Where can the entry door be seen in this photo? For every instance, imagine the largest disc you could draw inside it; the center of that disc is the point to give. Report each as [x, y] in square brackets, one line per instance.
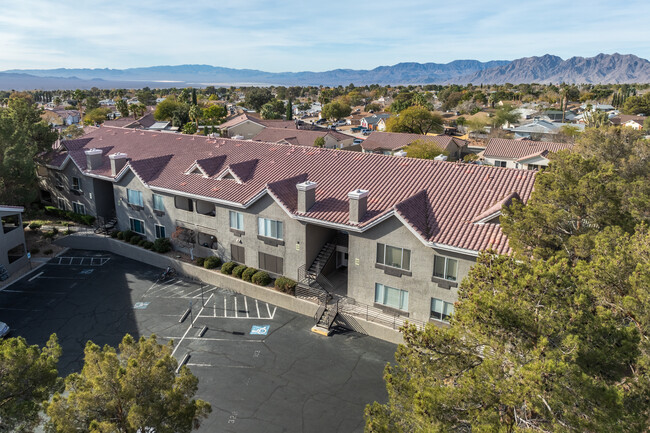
[341, 259]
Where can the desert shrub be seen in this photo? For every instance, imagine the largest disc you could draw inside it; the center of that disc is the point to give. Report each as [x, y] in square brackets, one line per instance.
[50, 234]
[261, 278]
[148, 245]
[248, 274]
[238, 270]
[48, 252]
[286, 285]
[162, 245]
[200, 261]
[127, 235]
[115, 234]
[212, 262]
[135, 240]
[142, 242]
[34, 226]
[120, 235]
[228, 267]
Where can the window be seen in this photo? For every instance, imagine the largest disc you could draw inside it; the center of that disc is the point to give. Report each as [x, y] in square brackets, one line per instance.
[444, 267]
[134, 197]
[158, 203]
[237, 220]
[533, 167]
[391, 297]
[76, 184]
[61, 203]
[270, 228]
[78, 208]
[137, 225]
[273, 264]
[237, 253]
[160, 231]
[394, 257]
[441, 310]
[500, 163]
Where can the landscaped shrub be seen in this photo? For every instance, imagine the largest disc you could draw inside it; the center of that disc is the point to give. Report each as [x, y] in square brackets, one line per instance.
[120, 235]
[228, 267]
[49, 235]
[238, 270]
[82, 219]
[162, 245]
[115, 234]
[286, 285]
[200, 261]
[248, 274]
[261, 278]
[212, 262]
[127, 235]
[135, 240]
[148, 245]
[142, 242]
[34, 226]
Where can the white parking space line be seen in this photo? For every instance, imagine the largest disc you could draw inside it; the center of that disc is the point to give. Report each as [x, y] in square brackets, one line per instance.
[189, 327]
[269, 310]
[222, 339]
[236, 316]
[225, 307]
[36, 276]
[274, 309]
[257, 306]
[246, 306]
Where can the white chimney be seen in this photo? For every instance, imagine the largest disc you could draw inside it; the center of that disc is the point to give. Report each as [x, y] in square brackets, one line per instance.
[118, 161]
[93, 158]
[306, 195]
[358, 204]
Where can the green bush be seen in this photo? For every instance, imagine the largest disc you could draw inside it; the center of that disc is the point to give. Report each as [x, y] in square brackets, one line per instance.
[142, 242]
[238, 271]
[48, 252]
[49, 235]
[127, 235]
[120, 235]
[248, 274]
[135, 240]
[162, 245]
[81, 219]
[148, 245]
[200, 261]
[35, 226]
[115, 234]
[228, 267]
[261, 278]
[286, 285]
[212, 262]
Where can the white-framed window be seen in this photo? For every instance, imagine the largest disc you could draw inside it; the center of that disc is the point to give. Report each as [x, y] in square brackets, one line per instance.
[76, 184]
[134, 197]
[158, 203]
[441, 310]
[137, 225]
[61, 203]
[445, 267]
[270, 228]
[79, 208]
[393, 256]
[391, 297]
[160, 231]
[236, 220]
[58, 181]
[533, 167]
[500, 163]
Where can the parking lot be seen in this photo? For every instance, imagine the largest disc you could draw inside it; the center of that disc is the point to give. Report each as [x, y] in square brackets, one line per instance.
[258, 365]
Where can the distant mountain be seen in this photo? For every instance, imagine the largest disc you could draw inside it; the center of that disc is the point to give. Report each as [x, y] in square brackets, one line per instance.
[202, 75]
[602, 69]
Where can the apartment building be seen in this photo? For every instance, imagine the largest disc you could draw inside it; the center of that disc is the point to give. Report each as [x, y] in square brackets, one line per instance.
[396, 233]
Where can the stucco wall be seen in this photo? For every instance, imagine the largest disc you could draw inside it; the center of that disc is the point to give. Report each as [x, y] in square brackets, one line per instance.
[10, 240]
[247, 129]
[48, 182]
[362, 273]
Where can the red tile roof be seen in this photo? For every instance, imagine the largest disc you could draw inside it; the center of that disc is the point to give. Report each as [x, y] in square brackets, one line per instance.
[397, 140]
[438, 200]
[300, 137]
[286, 124]
[515, 149]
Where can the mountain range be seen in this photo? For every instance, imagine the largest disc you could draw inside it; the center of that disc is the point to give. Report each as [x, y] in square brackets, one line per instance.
[602, 69]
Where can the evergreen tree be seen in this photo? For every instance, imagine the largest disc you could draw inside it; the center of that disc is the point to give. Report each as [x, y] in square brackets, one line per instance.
[289, 110]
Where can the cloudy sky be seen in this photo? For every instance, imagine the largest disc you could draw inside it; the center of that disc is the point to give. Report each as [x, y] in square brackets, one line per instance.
[309, 35]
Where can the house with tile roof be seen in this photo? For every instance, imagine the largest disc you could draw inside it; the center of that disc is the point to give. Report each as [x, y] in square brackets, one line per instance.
[397, 234]
[388, 143]
[520, 154]
[629, 121]
[373, 122]
[301, 137]
[13, 249]
[248, 126]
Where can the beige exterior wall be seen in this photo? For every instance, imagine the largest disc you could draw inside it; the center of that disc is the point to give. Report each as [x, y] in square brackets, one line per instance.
[247, 129]
[11, 239]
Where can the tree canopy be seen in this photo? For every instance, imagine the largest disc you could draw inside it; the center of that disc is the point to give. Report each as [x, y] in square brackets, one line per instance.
[256, 97]
[131, 390]
[416, 120]
[273, 109]
[424, 149]
[29, 376]
[336, 110]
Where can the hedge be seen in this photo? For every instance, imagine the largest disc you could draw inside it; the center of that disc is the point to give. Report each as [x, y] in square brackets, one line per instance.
[211, 262]
[261, 278]
[127, 235]
[248, 274]
[162, 245]
[228, 267]
[286, 285]
[142, 242]
[120, 235]
[148, 245]
[76, 217]
[238, 271]
[135, 240]
[115, 234]
[200, 261]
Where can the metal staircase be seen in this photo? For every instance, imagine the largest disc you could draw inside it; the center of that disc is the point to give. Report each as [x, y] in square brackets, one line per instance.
[324, 256]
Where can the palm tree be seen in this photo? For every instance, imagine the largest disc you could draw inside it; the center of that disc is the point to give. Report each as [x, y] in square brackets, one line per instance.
[138, 110]
[195, 114]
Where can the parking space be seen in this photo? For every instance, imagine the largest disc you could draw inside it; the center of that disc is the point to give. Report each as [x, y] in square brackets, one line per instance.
[258, 365]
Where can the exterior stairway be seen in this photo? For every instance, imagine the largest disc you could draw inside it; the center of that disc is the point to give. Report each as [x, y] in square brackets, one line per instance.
[325, 316]
[321, 260]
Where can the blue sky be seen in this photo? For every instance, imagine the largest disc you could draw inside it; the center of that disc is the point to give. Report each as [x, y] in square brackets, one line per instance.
[301, 35]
